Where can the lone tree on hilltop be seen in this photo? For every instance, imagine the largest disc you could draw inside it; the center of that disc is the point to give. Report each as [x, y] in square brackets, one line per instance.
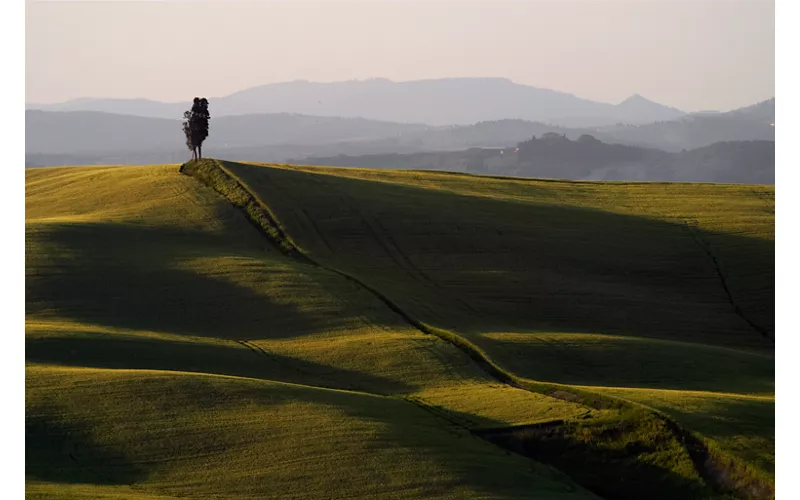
[195, 126]
[187, 131]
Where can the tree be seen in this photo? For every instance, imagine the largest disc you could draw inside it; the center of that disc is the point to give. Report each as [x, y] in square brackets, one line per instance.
[187, 130]
[195, 126]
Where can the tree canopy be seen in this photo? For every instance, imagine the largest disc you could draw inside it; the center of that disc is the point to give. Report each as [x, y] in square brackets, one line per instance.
[195, 126]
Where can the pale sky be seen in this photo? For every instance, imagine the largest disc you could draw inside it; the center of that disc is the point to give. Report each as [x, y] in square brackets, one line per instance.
[691, 54]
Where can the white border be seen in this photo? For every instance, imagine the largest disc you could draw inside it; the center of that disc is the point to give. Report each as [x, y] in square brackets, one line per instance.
[787, 368]
[12, 279]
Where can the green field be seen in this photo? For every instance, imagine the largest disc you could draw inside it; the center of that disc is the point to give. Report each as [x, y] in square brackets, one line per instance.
[349, 336]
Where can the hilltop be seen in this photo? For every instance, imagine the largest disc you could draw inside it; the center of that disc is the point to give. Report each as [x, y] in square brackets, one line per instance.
[246, 330]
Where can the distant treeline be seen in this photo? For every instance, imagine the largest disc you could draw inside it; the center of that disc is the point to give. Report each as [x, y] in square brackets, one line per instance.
[556, 156]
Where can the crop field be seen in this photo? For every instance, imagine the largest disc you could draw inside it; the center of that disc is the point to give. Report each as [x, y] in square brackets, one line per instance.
[609, 285]
[354, 333]
[186, 434]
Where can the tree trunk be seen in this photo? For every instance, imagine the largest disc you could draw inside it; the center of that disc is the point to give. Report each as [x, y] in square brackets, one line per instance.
[200, 148]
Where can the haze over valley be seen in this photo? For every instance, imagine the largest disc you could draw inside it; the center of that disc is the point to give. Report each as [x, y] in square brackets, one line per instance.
[269, 124]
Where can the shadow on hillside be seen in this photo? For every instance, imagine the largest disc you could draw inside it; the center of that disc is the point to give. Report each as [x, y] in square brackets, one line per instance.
[624, 460]
[126, 352]
[130, 276]
[64, 452]
[476, 264]
[736, 422]
[371, 426]
[637, 363]
[386, 436]
[734, 415]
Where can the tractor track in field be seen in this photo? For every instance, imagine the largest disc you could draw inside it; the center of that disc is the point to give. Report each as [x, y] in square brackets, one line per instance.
[382, 243]
[317, 231]
[411, 266]
[310, 378]
[392, 249]
[257, 213]
[439, 413]
[288, 247]
[403, 255]
[257, 349]
[689, 226]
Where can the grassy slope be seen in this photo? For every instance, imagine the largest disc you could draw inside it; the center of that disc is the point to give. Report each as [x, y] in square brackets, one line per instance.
[141, 282]
[542, 274]
[181, 434]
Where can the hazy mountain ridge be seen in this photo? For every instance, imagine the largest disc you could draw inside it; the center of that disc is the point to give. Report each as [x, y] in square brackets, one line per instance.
[556, 156]
[754, 122]
[69, 138]
[90, 132]
[448, 101]
[81, 132]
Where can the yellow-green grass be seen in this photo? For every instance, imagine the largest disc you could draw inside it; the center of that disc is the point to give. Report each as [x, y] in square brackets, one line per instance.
[736, 424]
[411, 364]
[626, 361]
[206, 436]
[723, 394]
[635, 450]
[41, 490]
[671, 276]
[107, 291]
[567, 256]
[479, 406]
[142, 268]
[150, 288]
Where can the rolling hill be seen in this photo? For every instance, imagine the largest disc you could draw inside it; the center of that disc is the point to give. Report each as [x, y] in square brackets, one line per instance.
[190, 324]
[256, 331]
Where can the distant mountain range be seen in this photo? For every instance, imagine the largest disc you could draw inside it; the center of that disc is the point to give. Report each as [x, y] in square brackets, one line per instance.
[392, 122]
[756, 122]
[93, 132]
[449, 101]
[104, 137]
